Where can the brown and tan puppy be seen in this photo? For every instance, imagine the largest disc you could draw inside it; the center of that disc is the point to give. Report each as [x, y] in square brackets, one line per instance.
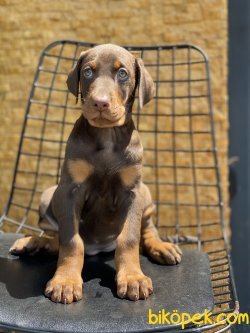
[101, 203]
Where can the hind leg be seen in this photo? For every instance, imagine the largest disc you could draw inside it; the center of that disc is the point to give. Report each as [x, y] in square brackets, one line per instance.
[34, 244]
[160, 251]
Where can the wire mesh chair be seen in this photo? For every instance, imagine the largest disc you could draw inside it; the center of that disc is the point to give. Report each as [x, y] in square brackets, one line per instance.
[180, 156]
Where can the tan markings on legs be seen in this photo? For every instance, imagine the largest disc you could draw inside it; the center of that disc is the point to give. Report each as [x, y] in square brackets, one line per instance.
[131, 282]
[79, 170]
[162, 252]
[66, 285]
[33, 244]
[129, 174]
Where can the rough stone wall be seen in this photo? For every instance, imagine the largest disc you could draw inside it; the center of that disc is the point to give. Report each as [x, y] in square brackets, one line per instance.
[28, 26]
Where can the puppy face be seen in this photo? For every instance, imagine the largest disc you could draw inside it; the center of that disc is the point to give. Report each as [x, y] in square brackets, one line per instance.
[108, 76]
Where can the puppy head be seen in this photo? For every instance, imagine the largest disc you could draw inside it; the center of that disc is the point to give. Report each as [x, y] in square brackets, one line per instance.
[108, 76]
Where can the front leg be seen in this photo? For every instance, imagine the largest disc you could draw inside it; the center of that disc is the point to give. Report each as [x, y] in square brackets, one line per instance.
[66, 284]
[131, 282]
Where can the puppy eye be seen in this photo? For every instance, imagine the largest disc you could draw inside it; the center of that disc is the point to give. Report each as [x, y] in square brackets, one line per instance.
[122, 74]
[88, 72]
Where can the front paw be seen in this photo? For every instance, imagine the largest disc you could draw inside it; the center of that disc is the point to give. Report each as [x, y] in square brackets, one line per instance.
[134, 286]
[164, 252]
[61, 289]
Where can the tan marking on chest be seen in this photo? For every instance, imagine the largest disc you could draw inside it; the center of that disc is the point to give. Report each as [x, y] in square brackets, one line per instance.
[129, 174]
[79, 170]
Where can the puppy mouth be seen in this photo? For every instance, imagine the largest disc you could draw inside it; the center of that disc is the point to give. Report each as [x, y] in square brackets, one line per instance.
[107, 118]
[103, 120]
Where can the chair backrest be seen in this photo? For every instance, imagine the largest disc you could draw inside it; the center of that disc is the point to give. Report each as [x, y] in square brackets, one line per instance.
[176, 128]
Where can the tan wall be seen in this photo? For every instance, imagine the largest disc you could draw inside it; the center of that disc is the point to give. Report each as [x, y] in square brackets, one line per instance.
[28, 26]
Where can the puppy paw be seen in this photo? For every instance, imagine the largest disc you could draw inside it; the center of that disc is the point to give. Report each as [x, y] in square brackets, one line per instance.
[32, 245]
[133, 286]
[61, 289]
[164, 252]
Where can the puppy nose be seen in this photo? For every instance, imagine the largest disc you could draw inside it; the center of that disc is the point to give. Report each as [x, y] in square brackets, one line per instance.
[101, 103]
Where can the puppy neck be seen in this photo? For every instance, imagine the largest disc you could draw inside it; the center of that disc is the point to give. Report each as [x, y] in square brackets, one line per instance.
[116, 133]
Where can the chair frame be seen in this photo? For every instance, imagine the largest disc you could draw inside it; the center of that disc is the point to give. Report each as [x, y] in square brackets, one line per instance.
[220, 262]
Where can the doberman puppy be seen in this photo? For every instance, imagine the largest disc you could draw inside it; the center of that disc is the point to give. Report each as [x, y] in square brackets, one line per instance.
[101, 203]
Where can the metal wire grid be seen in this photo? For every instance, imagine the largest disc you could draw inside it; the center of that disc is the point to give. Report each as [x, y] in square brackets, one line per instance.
[180, 157]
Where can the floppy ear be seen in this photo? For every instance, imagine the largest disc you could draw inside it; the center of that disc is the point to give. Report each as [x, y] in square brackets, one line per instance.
[74, 77]
[145, 84]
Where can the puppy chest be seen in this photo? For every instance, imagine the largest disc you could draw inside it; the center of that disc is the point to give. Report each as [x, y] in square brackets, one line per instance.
[108, 170]
[105, 209]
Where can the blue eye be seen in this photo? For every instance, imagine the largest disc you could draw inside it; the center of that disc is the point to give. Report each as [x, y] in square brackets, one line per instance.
[88, 72]
[122, 74]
